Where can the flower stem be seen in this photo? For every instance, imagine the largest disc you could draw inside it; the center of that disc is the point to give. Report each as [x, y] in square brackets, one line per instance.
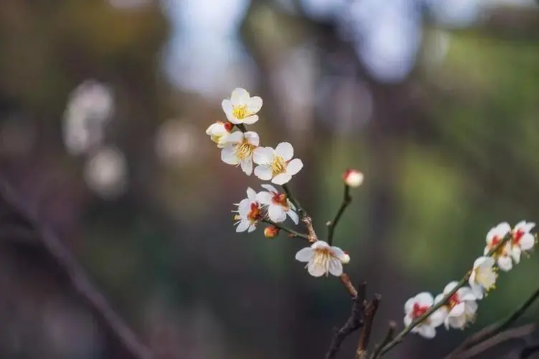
[288, 230]
[241, 128]
[438, 305]
[347, 199]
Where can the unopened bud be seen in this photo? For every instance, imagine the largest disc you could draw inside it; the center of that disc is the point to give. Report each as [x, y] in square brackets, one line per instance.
[271, 231]
[352, 178]
[345, 259]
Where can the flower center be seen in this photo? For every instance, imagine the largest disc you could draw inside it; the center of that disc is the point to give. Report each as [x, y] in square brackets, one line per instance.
[278, 165]
[322, 257]
[453, 301]
[517, 236]
[280, 199]
[418, 310]
[244, 150]
[240, 112]
[255, 213]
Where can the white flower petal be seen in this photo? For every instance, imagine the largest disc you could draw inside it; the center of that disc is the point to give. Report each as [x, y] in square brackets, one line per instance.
[239, 97]
[409, 305]
[263, 155]
[252, 137]
[448, 288]
[438, 298]
[252, 227]
[527, 242]
[276, 214]
[426, 331]
[263, 197]
[335, 267]
[254, 104]
[424, 299]
[247, 166]
[285, 150]
[316, 270]
[502, 229]
[243, 226]
[249, 120]
[484, 262]
[293, 216]
[305, 254]
[338, 253]
[471, 307]
[319, 245]
[457, 310]
[515, 254]
[251, 194]
[477, 289]
[505, 263]
[269, 188]
[466, 294]
[227, 106]
[228, 156]
[407, 320]
[281, 179]
[263, 172]
[294, 167]
[438, 317]
[235, 137]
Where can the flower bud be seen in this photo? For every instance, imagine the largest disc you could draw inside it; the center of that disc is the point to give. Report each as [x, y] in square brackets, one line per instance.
[271, 231]
[352, 178]
[345, 259]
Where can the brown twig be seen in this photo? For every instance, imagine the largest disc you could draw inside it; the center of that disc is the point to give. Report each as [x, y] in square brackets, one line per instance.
[370, 313]
[499, 338]
[354, 322]
[347, 199]
[494, 329]
[77, 276]
[310, 230]
[292, 232]
[529, 350]
[389, 336]
[345, 280]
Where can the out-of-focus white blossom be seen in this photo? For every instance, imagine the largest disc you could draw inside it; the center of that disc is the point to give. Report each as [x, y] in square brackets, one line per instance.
[106, 172]
[249, 213]
[483, 277]
[239, 148]
[417, 306]
[503, 254]
[89, 107]
[521, 239]
[278, 204]
[241, 108]
[322, 259]
[276, 164]
[460, 308]
[352, 178]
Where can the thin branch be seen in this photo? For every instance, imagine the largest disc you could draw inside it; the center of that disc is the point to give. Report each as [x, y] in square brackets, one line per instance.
[305, 217]
[310, 229]
[499, 338]
[291, 232]
[293, 199]
[354, 322]
[389, 336]
[496, 328]
[78, 278]
[347, 199]
[370, 313]
[399, 338]
[529, 350]
[345, 280]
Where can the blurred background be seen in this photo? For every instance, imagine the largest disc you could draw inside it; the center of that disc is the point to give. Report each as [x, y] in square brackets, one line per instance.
[103, 108]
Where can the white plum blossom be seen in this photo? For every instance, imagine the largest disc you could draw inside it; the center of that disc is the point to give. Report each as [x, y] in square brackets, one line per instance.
[522, 240]
[219, 131]
[417, 306]
[322, 259]
[278, 204]
[241, 108]
[353, 178]
[239, 148]
[249, 212]
[483, 276]
[460, 307]
[276, 164]
[503, 254]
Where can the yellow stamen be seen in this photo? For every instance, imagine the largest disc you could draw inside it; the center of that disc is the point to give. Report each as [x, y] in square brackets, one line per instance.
[278, 165]
[240, 112]
[244, 150]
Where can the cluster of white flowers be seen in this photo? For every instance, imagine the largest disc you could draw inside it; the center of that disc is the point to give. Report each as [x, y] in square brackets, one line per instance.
[278, 165]
[504, 248]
